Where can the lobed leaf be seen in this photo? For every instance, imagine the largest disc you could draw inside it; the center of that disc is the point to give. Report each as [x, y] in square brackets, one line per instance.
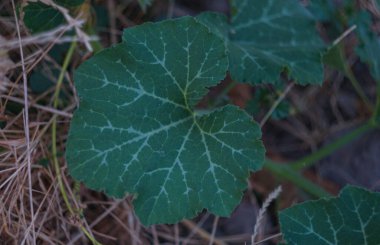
[137, 130]
[267, 37]
[350, 219]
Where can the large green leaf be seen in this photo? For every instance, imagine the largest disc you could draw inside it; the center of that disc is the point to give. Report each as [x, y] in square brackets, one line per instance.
[352, 218]
[136, 130]
[266, 37]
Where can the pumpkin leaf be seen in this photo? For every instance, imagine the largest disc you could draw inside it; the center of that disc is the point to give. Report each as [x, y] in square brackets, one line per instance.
[137, 129]
[265, 38]
[350, 219]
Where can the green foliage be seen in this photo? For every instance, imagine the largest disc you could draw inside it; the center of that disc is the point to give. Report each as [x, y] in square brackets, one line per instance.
[2, 124]
[102, 18]
[69, 3]
[334, 58]
[282, 111]
[263, 100]
[350, 219]
[39, 17]
[336, 14]
[369, 45]
[44, 75]
[265, 38]
[42, 78]
[369, 52]
[144, 4]
[137, 129]
[369, 48]
[322, 10]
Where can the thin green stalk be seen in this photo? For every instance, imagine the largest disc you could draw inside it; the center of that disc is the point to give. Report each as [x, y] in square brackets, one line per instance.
[376, 115]
[65, 65]
[286, 172]
[350, 75]
[54, 126]
[355, 83]
[330, 148]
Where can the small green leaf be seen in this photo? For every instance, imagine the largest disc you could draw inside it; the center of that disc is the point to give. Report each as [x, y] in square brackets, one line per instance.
[336, 13]
[144, 4]
[369, 47]
[334, 58]
[369, 52]
[40, 17]
[42, 78]
[136, 130]
[102, 18]
[322, 10]
[265, 38]
[352, 218]
[3, 124]
[69, 3]
[282, 111]
[263, 100]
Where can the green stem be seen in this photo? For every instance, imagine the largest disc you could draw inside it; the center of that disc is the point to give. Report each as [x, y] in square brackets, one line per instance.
[330, 148]
[376, 115]
[355, 83]
[65, 65]
[286, 172]
[54, 126]
[357, 87]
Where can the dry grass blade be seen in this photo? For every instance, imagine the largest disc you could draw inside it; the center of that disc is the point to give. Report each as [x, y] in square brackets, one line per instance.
[272, 196]
[26, 126]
